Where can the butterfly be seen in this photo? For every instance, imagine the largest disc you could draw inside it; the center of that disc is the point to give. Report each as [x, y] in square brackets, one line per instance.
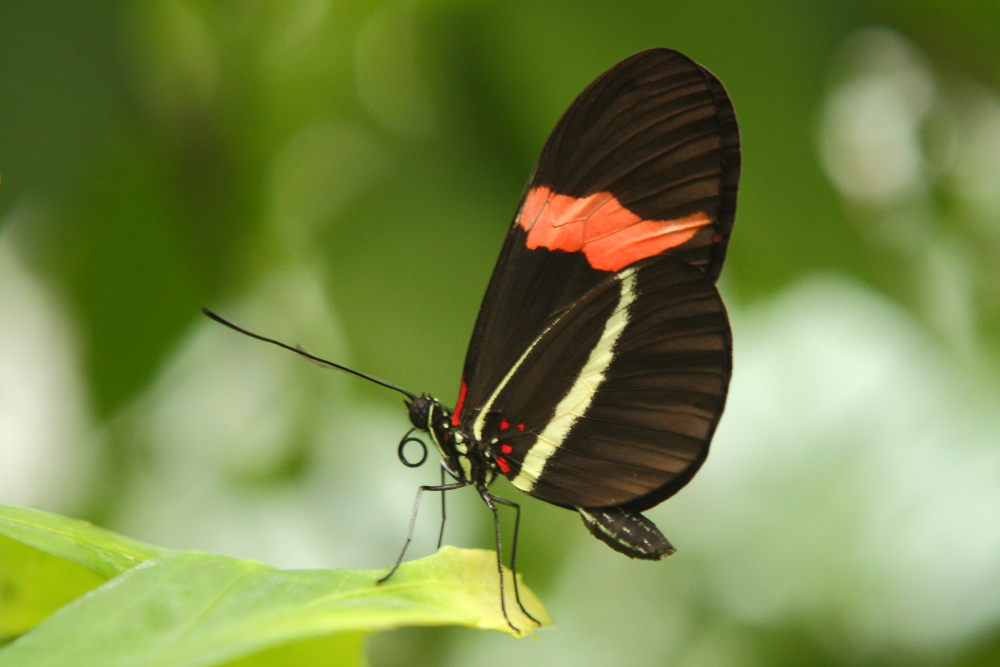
[601, 357]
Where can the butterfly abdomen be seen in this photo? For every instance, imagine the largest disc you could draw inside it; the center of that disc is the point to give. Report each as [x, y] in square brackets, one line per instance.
[629, 533]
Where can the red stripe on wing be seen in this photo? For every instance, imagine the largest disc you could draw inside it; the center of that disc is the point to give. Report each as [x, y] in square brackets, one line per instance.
[610, 236]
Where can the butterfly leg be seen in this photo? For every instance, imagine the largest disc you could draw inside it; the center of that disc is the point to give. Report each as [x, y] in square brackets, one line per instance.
[413, 522]
[444, 513]
[513, 550]
[496, 525]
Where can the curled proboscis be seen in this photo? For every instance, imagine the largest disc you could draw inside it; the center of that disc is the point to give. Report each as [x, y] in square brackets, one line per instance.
[402, 447]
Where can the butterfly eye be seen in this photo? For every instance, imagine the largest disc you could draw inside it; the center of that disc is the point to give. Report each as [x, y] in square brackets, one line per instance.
[420, 412]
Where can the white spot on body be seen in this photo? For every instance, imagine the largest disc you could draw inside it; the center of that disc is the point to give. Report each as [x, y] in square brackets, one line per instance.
[430, 422]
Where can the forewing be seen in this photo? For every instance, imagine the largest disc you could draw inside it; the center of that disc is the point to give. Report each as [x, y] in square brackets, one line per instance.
[616, 402]
[644, 162]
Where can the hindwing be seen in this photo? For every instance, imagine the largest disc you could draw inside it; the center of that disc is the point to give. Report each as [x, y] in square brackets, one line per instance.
[615, 403]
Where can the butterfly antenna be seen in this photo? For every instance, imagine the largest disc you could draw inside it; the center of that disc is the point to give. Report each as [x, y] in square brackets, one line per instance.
[308, 356]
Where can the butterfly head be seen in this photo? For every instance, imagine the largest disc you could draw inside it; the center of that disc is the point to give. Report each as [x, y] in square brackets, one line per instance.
[420, 411]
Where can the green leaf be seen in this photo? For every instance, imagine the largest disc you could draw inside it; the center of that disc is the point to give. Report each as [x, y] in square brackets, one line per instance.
[190, 608]
[344, 649]
[34, 584]
[46, 561]
[106, 553]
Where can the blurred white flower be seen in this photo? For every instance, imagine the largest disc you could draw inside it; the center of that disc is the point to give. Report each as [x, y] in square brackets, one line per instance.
[893, 135]
[869, 132]
[45, 455]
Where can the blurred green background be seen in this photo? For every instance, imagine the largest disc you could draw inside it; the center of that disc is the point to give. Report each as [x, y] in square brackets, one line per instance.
[342, 174]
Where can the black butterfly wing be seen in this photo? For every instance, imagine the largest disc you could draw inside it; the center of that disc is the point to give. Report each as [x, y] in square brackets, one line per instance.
[645, 161]
[616, 402]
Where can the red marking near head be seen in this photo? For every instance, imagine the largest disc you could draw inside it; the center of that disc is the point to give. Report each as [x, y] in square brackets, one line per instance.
[717, 238]
[506, 449]
[520, 427]
[504, 425]
[610, 235]
[461, 403]
[504, 466]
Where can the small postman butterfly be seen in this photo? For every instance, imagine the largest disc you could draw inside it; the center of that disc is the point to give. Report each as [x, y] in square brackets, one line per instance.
[600, 361]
